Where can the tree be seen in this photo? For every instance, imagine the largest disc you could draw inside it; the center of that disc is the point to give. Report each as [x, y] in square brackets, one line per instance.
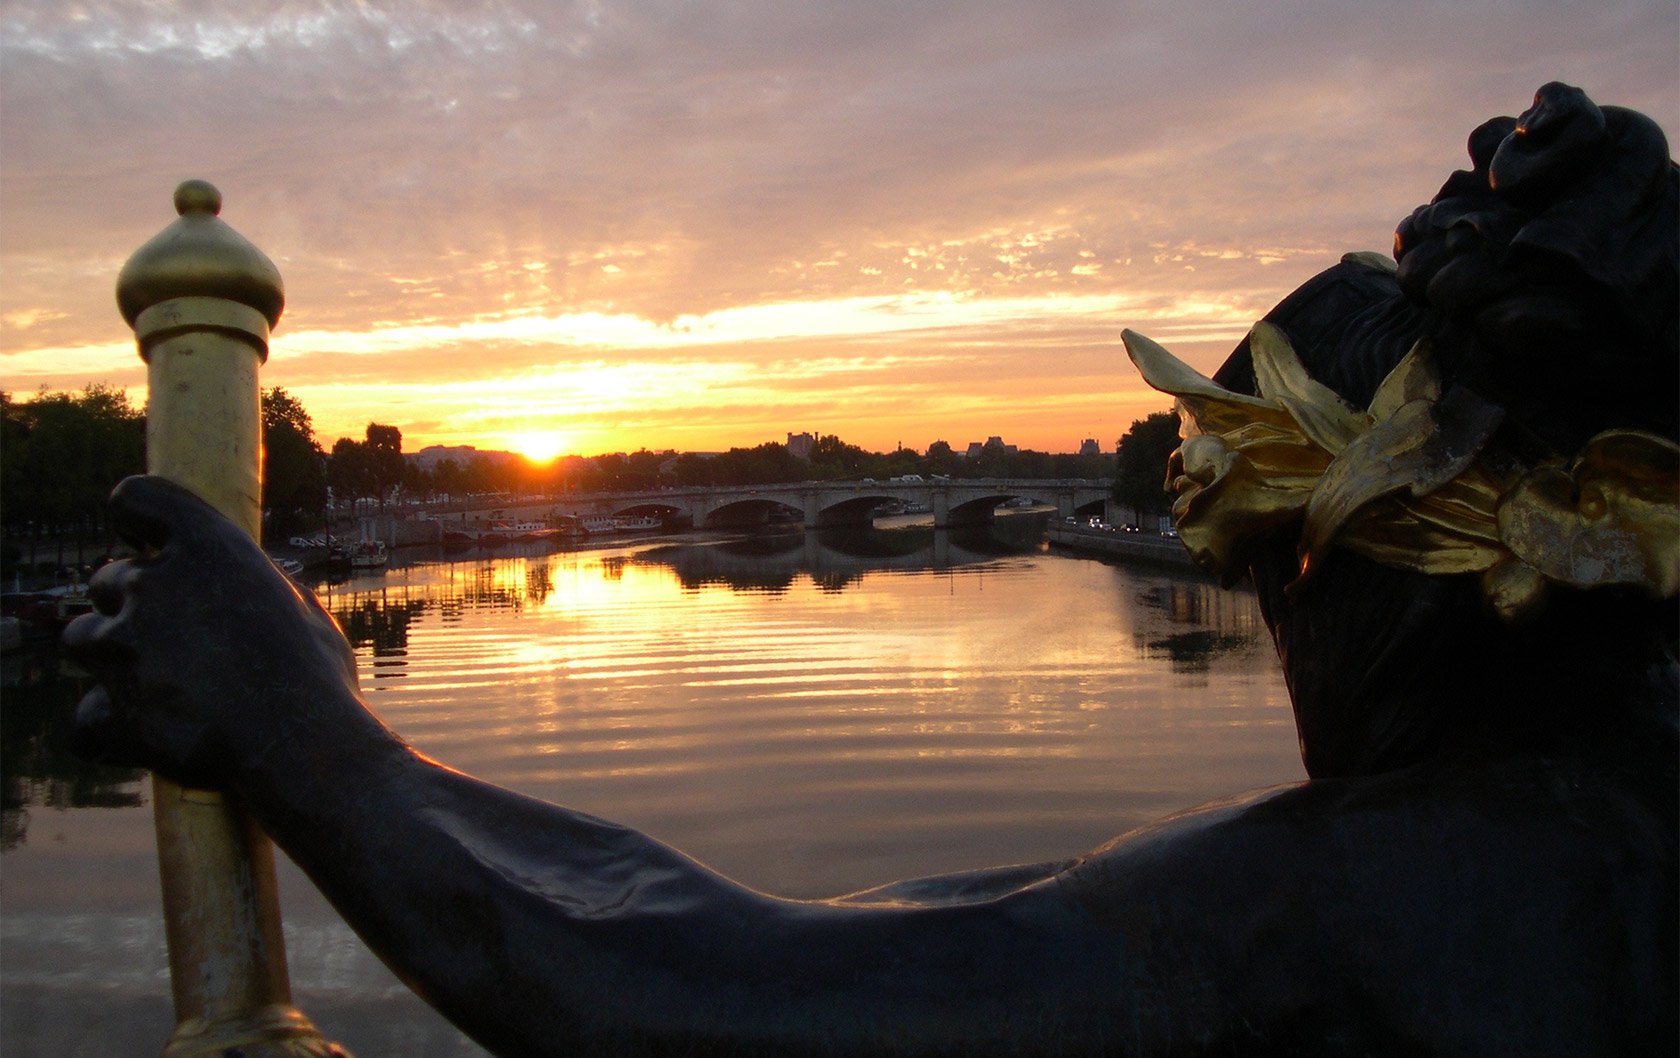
[641, 468]
[385, 460]
[486, 473]
[941, 459]
[350, 471]
[62, 455]
[833, 459]
[1140, 477]
[449, 478]
[693, 469]
[768, 463]
[417, 481]
[294, 467]
[994, 460]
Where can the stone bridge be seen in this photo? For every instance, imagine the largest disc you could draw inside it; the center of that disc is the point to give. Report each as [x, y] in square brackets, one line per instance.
[955, 502]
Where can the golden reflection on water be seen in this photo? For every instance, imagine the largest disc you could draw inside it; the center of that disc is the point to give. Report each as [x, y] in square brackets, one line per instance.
[813, 720]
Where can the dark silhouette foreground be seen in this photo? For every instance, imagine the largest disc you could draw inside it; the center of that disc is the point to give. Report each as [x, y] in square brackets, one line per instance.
[1483, 862]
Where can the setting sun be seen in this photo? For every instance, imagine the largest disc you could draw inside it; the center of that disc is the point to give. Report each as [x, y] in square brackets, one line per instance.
[539, 446]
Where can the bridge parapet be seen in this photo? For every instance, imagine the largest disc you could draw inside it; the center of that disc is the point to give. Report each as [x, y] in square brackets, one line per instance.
[954, 501]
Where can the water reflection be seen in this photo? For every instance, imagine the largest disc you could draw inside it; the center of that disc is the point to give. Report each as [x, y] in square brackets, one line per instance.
[37, 769]
[834, 559]
[769, 562]
[380, 624]
[1182, 620]
[1190, 621]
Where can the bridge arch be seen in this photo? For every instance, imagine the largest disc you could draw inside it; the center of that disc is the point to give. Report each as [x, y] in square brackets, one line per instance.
[848, 510]
[738, 511]
[665, 512]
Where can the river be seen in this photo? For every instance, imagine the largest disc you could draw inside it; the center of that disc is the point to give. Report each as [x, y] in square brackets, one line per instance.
[809, 713]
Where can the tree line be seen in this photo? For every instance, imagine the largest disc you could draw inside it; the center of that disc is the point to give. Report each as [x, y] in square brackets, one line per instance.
[830, 459]
[61, 453]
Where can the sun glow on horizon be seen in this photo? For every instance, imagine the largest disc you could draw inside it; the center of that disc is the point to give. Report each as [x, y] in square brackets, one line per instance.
[876, 371]
[538, 446]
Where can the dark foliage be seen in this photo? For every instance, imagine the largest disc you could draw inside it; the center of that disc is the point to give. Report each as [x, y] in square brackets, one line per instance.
[1140, 478]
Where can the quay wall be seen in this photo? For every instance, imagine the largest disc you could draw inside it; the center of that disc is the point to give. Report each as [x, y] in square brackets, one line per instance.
[403, 532]
[1142, 547]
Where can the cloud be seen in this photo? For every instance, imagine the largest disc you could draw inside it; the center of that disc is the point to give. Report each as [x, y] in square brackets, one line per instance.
[430, 165]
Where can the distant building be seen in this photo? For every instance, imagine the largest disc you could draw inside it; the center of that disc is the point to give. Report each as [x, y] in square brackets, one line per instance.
[799, 445]
[991, 444]
[1089, 447]
[429, 457]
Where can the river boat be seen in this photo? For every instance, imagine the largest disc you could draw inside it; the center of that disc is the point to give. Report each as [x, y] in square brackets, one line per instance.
[31, 624]
[458, 538]
[492, 533]
[612, 525]
[47, 611]
[369, 554]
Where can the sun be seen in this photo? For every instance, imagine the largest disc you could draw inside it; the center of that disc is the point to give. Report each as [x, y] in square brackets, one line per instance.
[538, 446]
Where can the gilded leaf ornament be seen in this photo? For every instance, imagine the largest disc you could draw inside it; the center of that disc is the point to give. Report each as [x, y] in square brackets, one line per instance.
[1408, 482]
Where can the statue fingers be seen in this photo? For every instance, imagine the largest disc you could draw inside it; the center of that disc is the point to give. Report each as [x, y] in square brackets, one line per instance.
[109, 729]
[99, 643]
[96, 733]
[149, 513]
[111, 587]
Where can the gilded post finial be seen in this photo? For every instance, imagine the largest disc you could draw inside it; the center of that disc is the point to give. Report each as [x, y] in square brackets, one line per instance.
[200, 256]
[198, 196]
[201, 300]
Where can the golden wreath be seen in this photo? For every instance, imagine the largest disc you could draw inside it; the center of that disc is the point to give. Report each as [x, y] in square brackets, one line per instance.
[1389, 484]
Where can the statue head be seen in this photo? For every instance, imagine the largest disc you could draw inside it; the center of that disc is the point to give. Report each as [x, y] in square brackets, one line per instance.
[1551, 268]
[1455, 482]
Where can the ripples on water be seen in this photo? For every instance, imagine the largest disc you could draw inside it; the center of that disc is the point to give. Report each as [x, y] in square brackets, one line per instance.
[811, 714]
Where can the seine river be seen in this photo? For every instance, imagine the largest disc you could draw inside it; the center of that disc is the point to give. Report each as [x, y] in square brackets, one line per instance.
[809, 713]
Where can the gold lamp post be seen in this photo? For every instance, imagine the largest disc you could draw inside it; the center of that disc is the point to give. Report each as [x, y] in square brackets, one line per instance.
[201, 300]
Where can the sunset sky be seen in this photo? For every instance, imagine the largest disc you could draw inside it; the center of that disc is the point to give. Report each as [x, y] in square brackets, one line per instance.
[696, 224]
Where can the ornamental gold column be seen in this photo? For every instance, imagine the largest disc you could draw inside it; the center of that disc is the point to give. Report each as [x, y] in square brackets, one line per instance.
[201, 300]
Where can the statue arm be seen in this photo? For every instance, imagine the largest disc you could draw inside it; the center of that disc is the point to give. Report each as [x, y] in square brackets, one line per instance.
[537, 928]
[1367, 911]
[532, 926]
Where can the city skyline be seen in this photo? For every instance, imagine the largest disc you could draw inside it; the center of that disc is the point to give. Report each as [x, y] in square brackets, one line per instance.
[793, 444]
[592, 227]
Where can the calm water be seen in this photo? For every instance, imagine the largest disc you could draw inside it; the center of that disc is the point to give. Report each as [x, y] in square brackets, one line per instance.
[810, 714]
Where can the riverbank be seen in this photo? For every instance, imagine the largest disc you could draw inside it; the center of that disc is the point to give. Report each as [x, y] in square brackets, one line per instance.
[1152, 548]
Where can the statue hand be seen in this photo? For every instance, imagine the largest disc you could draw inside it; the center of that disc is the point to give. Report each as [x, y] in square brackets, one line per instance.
[205, 653]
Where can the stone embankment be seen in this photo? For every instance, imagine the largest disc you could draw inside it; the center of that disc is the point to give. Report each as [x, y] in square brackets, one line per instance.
[1118, 543]
[393, 531]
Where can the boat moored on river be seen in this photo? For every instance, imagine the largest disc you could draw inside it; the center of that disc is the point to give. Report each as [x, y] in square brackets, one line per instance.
[369, 555]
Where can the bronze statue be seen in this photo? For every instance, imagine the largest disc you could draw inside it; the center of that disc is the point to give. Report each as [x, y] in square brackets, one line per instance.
[1455, 489]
